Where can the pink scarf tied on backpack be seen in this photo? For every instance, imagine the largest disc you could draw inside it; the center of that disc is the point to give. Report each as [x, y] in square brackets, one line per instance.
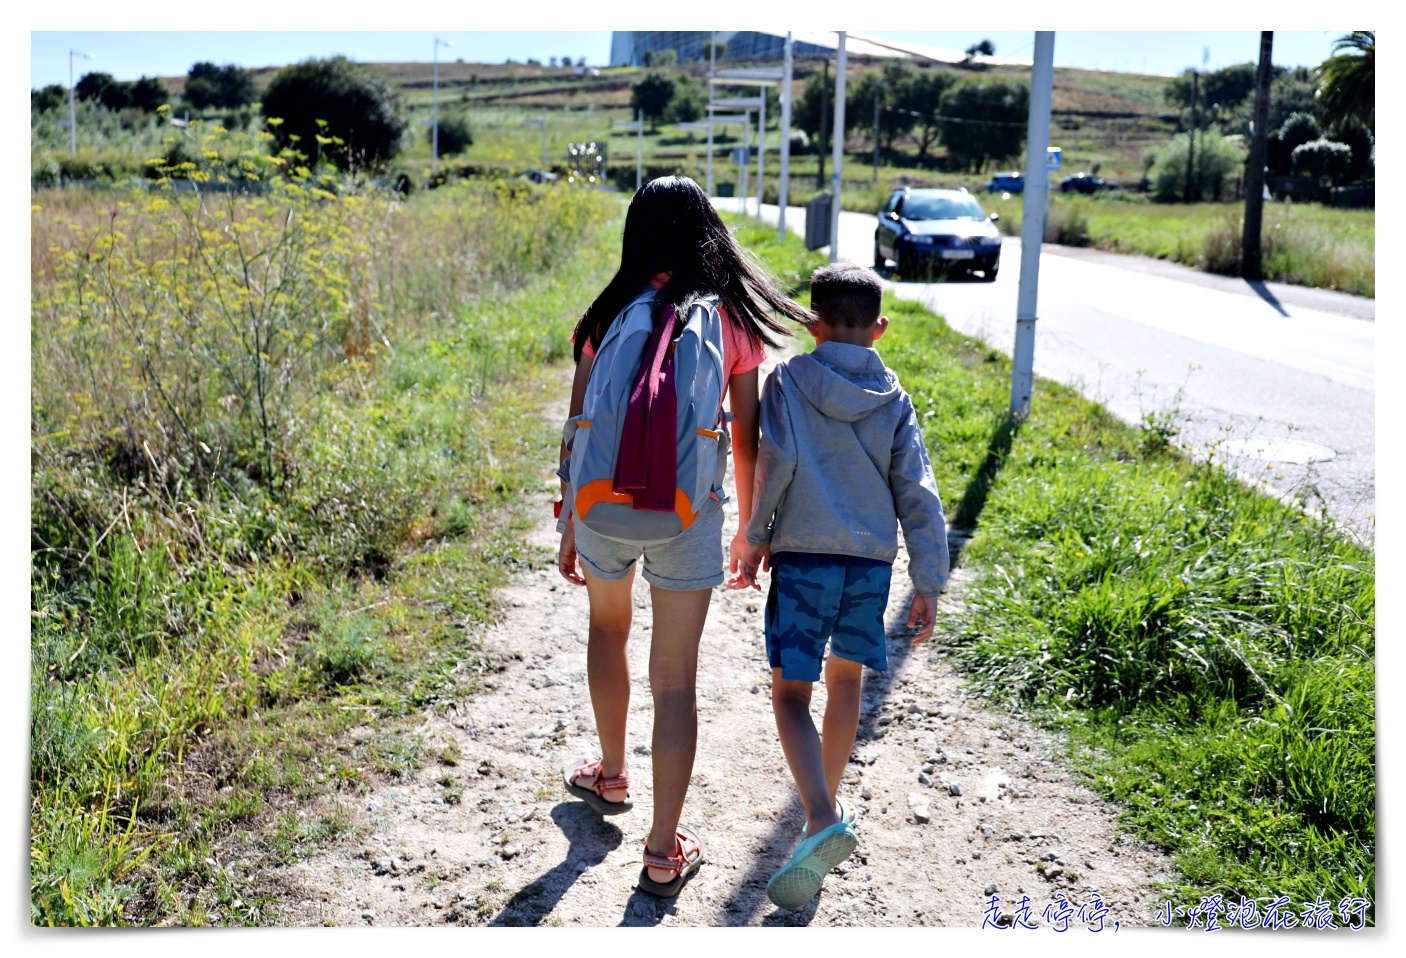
[647, 466]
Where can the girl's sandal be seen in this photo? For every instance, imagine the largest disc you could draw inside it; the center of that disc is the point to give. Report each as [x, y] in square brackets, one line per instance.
[584, 781]
[687, 857]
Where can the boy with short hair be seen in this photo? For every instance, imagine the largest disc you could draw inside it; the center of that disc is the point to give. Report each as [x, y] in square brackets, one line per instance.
[841, 464]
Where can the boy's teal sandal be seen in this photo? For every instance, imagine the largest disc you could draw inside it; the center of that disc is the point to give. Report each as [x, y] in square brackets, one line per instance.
[800, 879]
[847, 812]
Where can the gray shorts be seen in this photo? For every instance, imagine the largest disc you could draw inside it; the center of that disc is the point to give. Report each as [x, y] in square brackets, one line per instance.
[692, 561]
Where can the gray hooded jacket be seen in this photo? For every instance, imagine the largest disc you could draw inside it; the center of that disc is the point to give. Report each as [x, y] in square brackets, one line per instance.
[842, 463]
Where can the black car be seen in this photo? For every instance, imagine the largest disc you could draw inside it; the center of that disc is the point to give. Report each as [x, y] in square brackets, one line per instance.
[936, 231]
[1083, 183]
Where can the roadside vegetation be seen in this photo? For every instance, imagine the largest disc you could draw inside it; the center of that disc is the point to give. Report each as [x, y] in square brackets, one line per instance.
[1206, 650]
[278, 446]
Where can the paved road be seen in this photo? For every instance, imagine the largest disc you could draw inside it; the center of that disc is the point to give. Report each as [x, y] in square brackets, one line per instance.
[1277, 374]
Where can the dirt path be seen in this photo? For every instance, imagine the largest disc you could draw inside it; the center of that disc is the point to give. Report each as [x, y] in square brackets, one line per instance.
[957, 803]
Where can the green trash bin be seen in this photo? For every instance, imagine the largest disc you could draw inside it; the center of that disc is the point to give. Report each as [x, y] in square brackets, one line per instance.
[727, 189]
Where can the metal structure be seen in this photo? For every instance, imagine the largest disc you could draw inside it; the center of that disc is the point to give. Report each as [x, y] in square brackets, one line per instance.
[1032, 229]
[72, 107]
[700, 127]
[746, 121]
[839, 150]
[783, 186]
[638, 126]
[434, 122]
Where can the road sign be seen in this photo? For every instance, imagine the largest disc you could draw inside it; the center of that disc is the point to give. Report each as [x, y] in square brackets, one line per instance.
[739, 155]
[1052, 157]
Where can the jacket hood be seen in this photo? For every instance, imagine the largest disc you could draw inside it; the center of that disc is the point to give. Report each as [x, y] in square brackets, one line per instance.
[842, 381]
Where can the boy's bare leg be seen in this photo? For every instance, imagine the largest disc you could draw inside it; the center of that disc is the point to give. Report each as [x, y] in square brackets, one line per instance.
[608, 670]
[673, 677]
[790, 702]
[843, 680]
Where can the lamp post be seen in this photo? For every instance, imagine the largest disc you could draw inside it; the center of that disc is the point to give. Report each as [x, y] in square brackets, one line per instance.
[543, 124]
[434, 123]
[783, 185]
[839, 147]
[72, 107]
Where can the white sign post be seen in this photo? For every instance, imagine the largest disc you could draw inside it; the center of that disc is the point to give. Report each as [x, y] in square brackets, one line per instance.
[1032, 229]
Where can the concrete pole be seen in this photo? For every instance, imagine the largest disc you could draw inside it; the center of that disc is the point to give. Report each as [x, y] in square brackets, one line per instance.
[639, 153]
[434, 121]
[761, 148]
[837, 158]
[1032, 230]
[783, 187]
[742, 167]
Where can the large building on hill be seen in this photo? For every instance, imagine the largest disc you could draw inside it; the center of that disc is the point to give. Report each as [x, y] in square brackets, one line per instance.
[628, 47]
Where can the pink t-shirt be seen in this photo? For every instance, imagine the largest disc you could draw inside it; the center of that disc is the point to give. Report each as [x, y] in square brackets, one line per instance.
[740, 353]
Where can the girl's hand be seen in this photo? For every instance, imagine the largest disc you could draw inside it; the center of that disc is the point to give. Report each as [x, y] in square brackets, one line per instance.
[566, 556]
[753, 560]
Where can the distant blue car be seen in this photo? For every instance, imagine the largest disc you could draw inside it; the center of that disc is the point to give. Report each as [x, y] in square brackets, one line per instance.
[1006, 183]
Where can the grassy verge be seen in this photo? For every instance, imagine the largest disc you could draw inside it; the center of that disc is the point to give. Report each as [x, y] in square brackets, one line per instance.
[1306, 244]
[1207, 651]
[233, 612]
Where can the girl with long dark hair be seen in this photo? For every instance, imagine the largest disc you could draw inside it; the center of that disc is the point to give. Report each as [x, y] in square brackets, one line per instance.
[675, 241]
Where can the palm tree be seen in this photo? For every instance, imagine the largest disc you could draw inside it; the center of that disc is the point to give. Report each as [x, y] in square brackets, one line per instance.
[1347, 82]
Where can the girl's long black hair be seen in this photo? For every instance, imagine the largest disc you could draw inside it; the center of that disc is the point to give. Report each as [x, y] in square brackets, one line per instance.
[671, 227]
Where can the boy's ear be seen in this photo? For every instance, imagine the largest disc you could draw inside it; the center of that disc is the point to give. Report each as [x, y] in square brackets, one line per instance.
[880, 327]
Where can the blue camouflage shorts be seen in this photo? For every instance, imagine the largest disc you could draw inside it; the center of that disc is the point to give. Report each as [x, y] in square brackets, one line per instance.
[816, 597]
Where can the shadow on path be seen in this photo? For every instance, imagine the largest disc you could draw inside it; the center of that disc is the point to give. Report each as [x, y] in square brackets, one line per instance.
[591, 838]
[1265, 294]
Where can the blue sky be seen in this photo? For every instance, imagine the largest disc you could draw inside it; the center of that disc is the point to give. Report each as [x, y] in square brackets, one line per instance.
[129, 54]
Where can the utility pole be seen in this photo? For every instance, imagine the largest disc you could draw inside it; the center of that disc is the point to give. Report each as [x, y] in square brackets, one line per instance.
[839, 156]
[434, 122]
[72, 106]
[1250, 256]
[876, 135]
[783, 187]
[824, 115]
[1191, 140]
[1032, 229]
[761, 147]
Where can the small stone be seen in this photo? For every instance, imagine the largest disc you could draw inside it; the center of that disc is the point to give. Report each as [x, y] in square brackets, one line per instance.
[929, 768]
[529, 815]
[976, 855]
[914, 709]
[369, 915]
[924, 780]
[1089, 865]
[922, 812]
[961, 861]
[464, 894]
[885, 720]
[385, 866]
[1049, 856]
[987, 831]
[642, 749]
[756, 690]
[866, 794]
[373, 806]
[991, 888]
[509, 852]
[955, 788]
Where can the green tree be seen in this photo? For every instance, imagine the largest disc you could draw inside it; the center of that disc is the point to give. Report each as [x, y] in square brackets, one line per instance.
[718, 47]
[661, 58]
[360, 112]
[688, 103]
[48, 98]
[984, 120]
[102, 88]
[1217, 157]
[148, 93]
[652, 93]
[219, 87]
[983, 49]
[1297, 130]
[1347, 82]
[921, 98]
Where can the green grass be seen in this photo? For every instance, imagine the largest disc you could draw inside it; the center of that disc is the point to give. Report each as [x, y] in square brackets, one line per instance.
[190, 697]
[1206, 650]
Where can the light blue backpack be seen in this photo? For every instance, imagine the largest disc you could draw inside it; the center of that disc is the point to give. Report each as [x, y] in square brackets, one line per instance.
[593, 437]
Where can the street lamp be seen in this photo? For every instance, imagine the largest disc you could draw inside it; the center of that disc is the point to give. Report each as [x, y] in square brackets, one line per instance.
[434, 135]
[543, 124]
[73, 109]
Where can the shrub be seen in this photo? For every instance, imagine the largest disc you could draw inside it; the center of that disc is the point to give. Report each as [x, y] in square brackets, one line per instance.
[1069, 223]
[1322, 159]
[50, 97]
[336, 110]
[454, 135]
[148, 93]
[652, 94]
[661, 58]
[688, 103]
[1298, 129]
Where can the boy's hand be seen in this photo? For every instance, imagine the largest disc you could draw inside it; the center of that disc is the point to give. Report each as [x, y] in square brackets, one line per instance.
[923, 612]
[752, 560]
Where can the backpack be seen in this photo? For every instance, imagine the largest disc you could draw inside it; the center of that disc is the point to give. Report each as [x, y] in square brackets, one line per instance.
[593, 438]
